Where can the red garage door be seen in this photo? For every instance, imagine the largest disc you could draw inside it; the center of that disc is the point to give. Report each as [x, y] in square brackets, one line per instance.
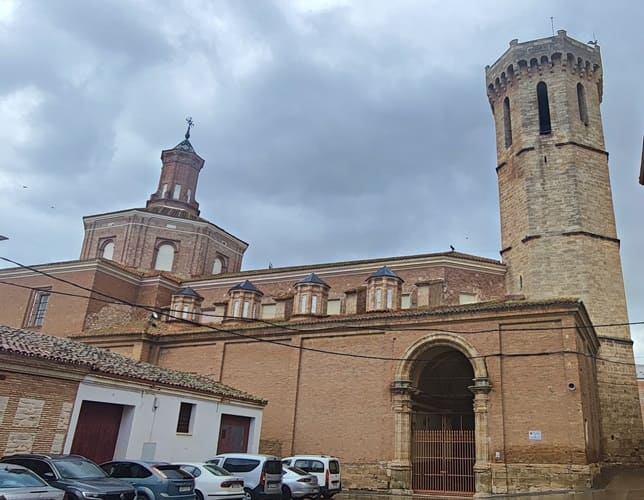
[97, 430]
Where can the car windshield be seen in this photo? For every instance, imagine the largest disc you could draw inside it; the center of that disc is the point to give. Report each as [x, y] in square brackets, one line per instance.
[17, 477]
[77, 468]
[216, 470]
[298, 471]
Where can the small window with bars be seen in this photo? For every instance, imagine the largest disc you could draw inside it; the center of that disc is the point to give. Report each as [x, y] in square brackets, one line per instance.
[184, 422]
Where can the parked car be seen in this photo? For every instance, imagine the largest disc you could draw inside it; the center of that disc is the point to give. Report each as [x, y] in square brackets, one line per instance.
[78, 476]
[153, 480]
[213, 482]
[324, 467]
[298, 484]
[19, 483]
[262, 474]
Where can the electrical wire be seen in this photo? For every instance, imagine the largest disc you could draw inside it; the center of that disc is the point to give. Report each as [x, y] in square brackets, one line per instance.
[116, 300]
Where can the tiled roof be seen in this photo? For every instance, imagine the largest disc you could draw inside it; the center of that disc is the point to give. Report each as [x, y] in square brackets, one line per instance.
[173, 212]
[185, 146]
[188, 292]
[246, 285]
[71, 352]
[384, 271]
[312, 278]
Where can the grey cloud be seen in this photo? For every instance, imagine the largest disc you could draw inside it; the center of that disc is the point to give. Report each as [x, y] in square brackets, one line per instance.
[351, 139]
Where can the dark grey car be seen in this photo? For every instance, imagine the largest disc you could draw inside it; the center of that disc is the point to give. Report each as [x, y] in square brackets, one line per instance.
[79, 477]
[19, 483]
[153, 480]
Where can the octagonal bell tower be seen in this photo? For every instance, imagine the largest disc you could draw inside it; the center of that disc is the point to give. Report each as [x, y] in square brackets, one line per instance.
[557, 221]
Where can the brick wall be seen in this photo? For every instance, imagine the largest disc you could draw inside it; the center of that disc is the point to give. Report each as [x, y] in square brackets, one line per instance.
[456, 279]
[138, 233]
[322, 403]
[34, 409]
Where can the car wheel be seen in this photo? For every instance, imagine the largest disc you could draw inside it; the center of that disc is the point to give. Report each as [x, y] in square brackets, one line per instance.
[248, 494]
[198, 495]
[286, 492]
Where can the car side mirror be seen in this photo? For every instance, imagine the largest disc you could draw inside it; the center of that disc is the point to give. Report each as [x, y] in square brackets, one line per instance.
[48, 475]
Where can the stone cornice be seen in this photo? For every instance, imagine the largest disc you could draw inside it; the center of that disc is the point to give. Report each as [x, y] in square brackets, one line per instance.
[73, 266]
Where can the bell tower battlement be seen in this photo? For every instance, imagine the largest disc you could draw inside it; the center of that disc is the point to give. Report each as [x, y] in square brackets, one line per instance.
[579, 93]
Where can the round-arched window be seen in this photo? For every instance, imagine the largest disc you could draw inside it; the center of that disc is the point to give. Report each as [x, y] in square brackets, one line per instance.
[108, 250]
[217, 266]
[165, 257]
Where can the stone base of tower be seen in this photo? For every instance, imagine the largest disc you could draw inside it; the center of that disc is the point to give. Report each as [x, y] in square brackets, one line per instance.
[532, 478]
[622, 432]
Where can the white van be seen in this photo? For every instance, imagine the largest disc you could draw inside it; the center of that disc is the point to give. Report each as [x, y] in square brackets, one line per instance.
[324, 467]
[262, 474]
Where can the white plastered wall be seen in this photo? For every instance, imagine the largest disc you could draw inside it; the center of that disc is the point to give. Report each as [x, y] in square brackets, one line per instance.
[149, 421]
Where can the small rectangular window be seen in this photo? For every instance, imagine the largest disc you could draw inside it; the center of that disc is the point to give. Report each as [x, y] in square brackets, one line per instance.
[303, 303]
[245, 309]
[314, 304]
[186, 312]
[236, 308]
[378, 301]
[41, 300]
[467, 298]
[390, 298]
[184, 422]
[405, 302]
[333, 306]
[268, 311]
[177, 191]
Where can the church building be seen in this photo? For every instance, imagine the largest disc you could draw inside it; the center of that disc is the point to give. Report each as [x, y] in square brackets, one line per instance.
[437, 372]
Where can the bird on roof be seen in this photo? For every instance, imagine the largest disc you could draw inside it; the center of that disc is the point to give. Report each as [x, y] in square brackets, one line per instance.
[451, 247]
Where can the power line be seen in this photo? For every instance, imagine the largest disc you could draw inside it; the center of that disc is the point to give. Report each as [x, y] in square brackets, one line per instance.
[116, 300]
[343, 327]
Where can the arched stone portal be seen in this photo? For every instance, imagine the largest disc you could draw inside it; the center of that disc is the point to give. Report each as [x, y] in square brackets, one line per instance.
[436, 375]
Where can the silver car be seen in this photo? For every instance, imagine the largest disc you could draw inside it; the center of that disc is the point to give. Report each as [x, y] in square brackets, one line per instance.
[19, 483]
[297, 483]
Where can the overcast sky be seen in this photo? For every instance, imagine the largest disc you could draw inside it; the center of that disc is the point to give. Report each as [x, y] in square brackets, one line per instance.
[332, 130]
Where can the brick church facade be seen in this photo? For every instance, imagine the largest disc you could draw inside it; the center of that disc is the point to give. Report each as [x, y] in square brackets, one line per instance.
[439, 372]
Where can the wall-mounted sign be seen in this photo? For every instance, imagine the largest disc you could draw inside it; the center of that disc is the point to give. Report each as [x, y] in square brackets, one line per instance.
[534, 435]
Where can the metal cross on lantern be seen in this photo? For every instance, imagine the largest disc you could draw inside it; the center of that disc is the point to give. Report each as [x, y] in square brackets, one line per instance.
[190, 125]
